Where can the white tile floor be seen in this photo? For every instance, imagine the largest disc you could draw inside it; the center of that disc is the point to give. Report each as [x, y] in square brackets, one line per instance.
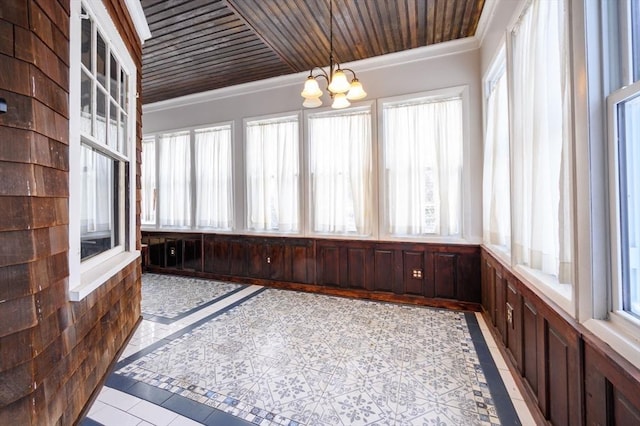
[117, 408]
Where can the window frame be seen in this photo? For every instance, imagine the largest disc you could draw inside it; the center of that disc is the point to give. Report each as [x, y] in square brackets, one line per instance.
[191, 130]
[465, 191]
[86, 276]
[302, 226]
[616, 305]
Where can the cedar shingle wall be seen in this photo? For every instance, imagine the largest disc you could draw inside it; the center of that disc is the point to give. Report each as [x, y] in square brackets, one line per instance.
[53, 352]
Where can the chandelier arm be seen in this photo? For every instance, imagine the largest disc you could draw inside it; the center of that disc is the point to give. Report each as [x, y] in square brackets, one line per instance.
[351, 71]
[323, 73]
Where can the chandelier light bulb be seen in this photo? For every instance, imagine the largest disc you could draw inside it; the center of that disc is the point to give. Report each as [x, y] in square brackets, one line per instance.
[311, 89]
[312, 102]
[356, 91]
[340, 101]
[339, 82]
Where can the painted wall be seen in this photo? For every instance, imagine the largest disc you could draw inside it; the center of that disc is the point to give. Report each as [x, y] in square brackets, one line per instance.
[450, 64]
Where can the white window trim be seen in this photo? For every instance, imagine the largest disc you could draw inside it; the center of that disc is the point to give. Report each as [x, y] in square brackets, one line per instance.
[465, 219]
[307, 218]
[85, 277]
[613, 101]
[301, 179]
[193, 228]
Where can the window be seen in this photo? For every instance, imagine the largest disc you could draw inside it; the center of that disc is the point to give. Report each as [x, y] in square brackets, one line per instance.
[423, 141]
[194, 179]
[272, 174]
[496, 188]
[101, 150]
[541, 145]
[341, 172]
[624, 166]
[213, 168]
[148, 171]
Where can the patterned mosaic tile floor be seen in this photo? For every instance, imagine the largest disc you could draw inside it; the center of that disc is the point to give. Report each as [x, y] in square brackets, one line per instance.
[166, 298]
[285, 358]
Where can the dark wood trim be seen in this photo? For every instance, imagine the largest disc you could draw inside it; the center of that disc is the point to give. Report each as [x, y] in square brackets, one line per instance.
[94, 395]
[566, 373]
[440, 275]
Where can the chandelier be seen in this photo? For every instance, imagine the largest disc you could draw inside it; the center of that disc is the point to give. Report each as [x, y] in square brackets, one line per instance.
[339, 88]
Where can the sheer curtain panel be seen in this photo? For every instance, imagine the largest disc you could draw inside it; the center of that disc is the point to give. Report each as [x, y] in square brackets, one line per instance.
[175, 180]
[341, 168]
[213, 172]
[541, 141]
[423, 166]
[148, 171]
[272, 171]
[496, 189]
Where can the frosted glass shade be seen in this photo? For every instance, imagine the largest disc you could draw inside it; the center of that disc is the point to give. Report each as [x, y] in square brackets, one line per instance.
[340, 101]
[311, 89]
[312, 102]
[339, 82]
[356, 91]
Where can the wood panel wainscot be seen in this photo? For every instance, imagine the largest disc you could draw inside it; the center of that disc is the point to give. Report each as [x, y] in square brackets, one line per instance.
[568, 375]
[443, 275]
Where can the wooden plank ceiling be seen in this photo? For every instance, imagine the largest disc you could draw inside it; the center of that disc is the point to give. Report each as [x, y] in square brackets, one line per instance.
[200, 45]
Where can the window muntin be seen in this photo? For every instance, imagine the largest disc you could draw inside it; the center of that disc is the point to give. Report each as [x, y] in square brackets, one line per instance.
[213, 178]
[341, 172]
[423, 140]
[272, 174]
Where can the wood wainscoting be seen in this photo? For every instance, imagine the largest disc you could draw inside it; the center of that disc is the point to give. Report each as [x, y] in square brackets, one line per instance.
[568, 375]
[442, 275]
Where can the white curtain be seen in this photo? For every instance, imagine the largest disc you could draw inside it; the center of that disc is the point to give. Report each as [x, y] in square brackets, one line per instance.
[541, 145]
[495, 188]
[214, 190]
[97, 193]
[272, 170]
[174, 186]
[341, 172]
[423, 166]
[148, 171]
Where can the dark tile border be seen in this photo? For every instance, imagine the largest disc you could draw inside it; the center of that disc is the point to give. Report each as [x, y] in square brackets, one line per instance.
[169, 320]
[141, 353]
[501, 399]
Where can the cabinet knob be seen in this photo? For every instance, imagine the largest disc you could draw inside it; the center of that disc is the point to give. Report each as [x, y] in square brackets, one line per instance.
[268, 260]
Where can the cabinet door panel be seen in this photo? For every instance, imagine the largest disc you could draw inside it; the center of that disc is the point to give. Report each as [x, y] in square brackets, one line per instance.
[275, 257]
[299, 264]
[383, 270]
[257, 259]
[329, 266]
[357, 275]
[445, 266]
